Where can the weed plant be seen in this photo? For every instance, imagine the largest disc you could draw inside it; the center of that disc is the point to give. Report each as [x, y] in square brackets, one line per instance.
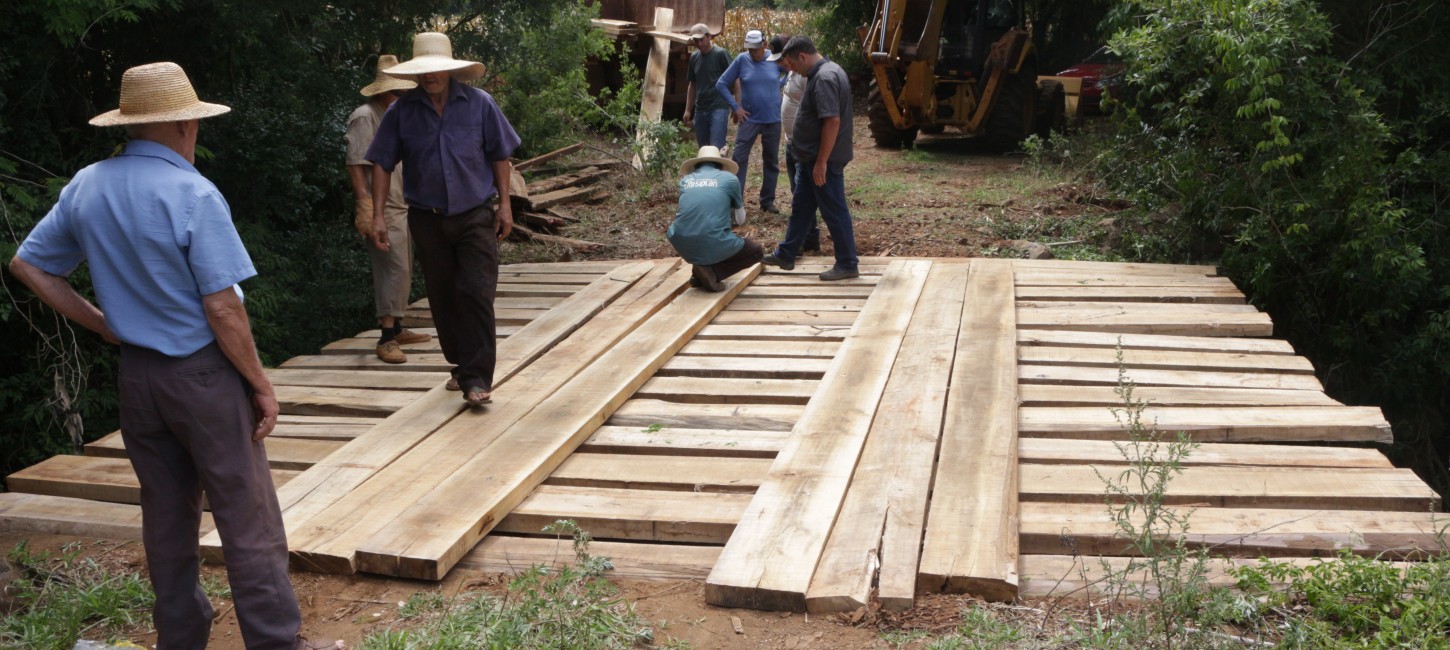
[63, 598]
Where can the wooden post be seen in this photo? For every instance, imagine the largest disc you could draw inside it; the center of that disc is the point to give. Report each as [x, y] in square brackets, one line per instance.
[656, 71]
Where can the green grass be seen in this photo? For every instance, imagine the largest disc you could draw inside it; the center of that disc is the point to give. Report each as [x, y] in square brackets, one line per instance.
[64, 598]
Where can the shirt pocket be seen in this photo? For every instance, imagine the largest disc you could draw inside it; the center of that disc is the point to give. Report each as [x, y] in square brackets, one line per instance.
[465, 141]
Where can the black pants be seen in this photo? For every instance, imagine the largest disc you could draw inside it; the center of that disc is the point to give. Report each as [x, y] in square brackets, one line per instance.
[459, 257]
[749, 255]
[188, 424]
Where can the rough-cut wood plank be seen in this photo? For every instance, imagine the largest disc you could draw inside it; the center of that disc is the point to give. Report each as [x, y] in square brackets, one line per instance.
[91, 477]
[521, 231]
[1104, 452]
[656, 71]
[754, 367]
[776, 333]
[770, 559]
[1089, 306]
[1241, 532]
[403, 381]
[422, 318]
[282, 453]
[594, 267]
[505, 554]
[1162, 359]
[427, 363]
[774, 348]
[635, 472]
[1243, 487]
[797, 304]
[328, 540]
[430, 537]
[1152, 342]
[763, 417]
[42, 514]
[1070, 279]
[775, 279]
[310, 400]
[719, 443]
[971, 529]
[884, 512]
[631, 514]
[728, 390]
[1189, 320]
[1216, 424]
[560, 277]
[758, 318]
[543, 158]
[571, 179]
[503, 303]
[1123, 268]
[1180, 294]
[821, 290]
[1063, 395]
[331, 432]
[1034, 374]
[541, 290]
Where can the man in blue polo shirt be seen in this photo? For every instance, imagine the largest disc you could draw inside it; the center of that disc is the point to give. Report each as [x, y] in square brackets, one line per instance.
[757, 113]
[165, 261]
[701, 233]
[454, 144]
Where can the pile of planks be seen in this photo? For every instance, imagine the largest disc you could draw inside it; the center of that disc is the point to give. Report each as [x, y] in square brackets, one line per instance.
[616, 28]
[537, 216]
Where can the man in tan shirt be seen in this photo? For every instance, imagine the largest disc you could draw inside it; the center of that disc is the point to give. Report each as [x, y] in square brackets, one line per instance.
[393, 267]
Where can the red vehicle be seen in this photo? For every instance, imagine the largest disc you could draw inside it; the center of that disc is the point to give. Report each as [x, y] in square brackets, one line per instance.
[1102, 70]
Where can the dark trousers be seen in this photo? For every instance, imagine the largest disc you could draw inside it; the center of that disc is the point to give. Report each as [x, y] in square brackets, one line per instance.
[187, 424]
[813, 238]
[830, 199]
[749, 255]
[459, 257]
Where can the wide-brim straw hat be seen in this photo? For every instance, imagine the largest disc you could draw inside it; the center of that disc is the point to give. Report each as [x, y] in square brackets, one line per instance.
[709, 154]
[433, 52]
[154, 93]
[383, 83]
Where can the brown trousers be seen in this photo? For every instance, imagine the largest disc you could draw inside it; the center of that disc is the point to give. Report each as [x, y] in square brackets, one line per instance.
[187, 424]
[459, 257]
[749, 255]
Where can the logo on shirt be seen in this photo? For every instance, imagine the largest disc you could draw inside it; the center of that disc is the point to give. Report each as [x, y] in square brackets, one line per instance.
[693, 183]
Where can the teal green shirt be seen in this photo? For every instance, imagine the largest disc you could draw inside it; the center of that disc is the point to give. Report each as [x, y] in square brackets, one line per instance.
[701, 231]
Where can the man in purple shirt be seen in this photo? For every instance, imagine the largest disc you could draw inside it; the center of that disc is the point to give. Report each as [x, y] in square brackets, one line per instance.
[454, 144]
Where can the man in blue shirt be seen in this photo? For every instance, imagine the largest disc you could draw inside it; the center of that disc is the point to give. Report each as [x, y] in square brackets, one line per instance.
[454, 144]
[757, 113]
[701, 233]
[165, 261]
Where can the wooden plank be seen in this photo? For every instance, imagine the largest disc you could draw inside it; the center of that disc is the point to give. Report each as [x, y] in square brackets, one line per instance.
[543, 158]
[1187, 321]
[776, 279]
[1132, 268]
[515, 555]
[340, 473]
[1039, 355]
[1241, 532]
[427, 363]
[1065, 278]
[42, 514]
[1105, 452]
[884, 512]
[776, 333]
[688, 473]
[656, 70]
[672, 441]
[91, 477]
[571, 179]
[430, 537]
[413, 318]
[971, 529]
[753, 367]
[728, 390]
[1070, 375]
[772, 348]
[820, 290]
[1152, 342]
[1064, 395]
[758, 318]
[282, 453]
[1178, 294]
[1216, 424]
[367, 345]
[1088, 305]
[592, 267]
[328, 539]
[556, 278]
[769, 560]
[397, 381]
[797, 304]
[1242, 487]
[504, 303]
[541, 290]
[692, 517]
[524, 232]
[311, 400]
[332, 432]
[761, 417]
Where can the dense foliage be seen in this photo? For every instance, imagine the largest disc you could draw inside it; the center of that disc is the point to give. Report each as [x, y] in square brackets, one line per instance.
[1303, 144]
[291, 73]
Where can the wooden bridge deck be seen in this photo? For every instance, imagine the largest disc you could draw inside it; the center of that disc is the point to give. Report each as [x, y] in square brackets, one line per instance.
[935, 425]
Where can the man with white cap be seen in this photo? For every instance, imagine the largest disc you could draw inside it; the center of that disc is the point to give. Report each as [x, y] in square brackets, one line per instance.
[701, 232]
[455, 143]
[757, 113]
[705, 109]
[165, 261]
[392, 266]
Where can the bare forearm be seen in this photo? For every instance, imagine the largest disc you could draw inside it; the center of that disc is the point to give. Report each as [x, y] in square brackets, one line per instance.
[360, 178]
[53, 290]
[830, 127]
[228, 319]
[381, 179]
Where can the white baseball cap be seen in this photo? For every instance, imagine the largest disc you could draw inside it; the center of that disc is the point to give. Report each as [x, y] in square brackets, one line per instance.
[754, 40]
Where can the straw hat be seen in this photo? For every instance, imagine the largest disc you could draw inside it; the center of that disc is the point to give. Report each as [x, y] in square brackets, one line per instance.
[709, 154]
[433, 52]
[157, 92]
[383, 83]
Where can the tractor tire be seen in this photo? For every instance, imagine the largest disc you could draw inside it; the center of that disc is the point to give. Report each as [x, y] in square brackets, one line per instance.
[1051, 108]
[1012, 118]
[934, 129]
[883, 130]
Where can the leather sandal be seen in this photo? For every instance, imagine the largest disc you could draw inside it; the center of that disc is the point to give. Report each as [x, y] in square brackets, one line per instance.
[477, 396]
[452, 385]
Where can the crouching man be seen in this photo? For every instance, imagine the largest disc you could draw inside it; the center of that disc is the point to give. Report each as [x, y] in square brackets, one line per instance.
[709, 191]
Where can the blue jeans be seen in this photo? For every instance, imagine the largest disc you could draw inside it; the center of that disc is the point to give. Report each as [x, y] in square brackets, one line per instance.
[769, 135]
[711, 127]
[830, 199]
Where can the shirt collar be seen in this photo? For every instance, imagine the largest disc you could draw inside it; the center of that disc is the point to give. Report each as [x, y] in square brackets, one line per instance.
[817, 66]
[153, 149]
[456, 90]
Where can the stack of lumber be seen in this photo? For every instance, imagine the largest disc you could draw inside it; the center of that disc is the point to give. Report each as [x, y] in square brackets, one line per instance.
[616, 28]
[535, 202]
[934, 425]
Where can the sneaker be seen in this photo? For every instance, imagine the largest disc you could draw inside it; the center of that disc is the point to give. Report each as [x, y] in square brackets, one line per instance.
[706, 280]
[838, 273]
[771, 260]
[390, 352]
[408, 337]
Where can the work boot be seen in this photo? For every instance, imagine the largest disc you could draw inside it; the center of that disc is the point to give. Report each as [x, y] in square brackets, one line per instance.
[390, 352]
[771, 260]
[770, 208]
[706, 279]
[838, 273]
[408, 337]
